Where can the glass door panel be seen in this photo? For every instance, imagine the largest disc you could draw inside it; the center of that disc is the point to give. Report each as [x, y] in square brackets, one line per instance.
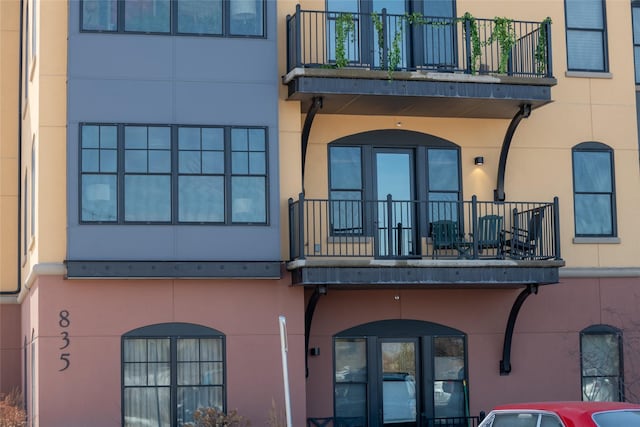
[397, 30]
[398, 360]
[439, 38]
[394, 177]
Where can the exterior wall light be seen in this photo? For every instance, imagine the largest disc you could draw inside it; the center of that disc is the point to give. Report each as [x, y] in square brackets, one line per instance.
[479, 161]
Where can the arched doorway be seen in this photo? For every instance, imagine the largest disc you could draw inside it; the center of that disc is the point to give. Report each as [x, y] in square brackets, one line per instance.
[400, 373]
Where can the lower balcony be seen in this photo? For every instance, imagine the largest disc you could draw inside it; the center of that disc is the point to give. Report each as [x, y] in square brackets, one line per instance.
[377, 243]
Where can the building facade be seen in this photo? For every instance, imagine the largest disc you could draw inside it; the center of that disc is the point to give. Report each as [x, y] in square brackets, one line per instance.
[439, 197]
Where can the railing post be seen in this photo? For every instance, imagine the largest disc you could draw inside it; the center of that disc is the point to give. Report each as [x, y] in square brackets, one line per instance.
[556, 227]
[298, 37]
[547, 27]
[474, 221]
[389, 224]
[301, 226]
[467, 42]
[291, 234]
[385, 40]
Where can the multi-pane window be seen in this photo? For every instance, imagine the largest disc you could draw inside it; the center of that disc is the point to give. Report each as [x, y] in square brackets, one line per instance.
[345, 190]
[169, 371]
[601, 363]
[173, 174]
[594, 190]
[586, 35]
[444, 184]
[189, 17]
[635, 11]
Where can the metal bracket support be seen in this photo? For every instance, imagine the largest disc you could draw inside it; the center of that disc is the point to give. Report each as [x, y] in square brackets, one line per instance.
[316, 104]
[505, 363]
[308, 318]
[523, 113]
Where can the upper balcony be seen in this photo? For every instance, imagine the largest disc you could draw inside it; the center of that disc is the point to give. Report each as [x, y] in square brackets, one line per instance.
[414, 65]
[364, 243]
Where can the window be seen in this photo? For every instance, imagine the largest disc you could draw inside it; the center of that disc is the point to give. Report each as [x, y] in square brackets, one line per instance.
[635, 12]
[601, 364]
[594, 190]
[345, 190]
[586, 35]
[173, 174]
[183, 17]
[169, 371]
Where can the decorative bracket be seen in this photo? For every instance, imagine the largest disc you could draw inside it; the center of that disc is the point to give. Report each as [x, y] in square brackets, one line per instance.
[505, 363]
[523, 113]
[316, 104]
[308, 318]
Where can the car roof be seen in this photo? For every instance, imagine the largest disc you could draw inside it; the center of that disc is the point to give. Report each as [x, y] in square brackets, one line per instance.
[570, 412]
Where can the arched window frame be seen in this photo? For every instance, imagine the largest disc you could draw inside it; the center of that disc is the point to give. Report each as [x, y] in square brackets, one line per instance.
[423, 146]
[210, 373]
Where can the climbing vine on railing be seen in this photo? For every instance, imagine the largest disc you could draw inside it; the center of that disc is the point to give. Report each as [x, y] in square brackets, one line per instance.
[345, 31]
[503, 33]
[379, 27]
[474, 36]
[541, 48]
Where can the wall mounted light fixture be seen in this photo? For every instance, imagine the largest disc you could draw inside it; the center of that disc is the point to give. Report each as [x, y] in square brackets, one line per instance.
[479, 161]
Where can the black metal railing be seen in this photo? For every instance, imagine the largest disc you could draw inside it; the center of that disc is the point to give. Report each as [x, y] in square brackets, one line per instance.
[471, 421]
[417, 229]
[414, 42]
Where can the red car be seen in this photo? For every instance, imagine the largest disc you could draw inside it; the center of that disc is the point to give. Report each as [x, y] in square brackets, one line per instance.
[564, 414]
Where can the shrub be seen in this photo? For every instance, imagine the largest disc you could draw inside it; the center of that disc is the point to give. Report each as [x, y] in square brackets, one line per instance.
[212, 417]
[11, 412]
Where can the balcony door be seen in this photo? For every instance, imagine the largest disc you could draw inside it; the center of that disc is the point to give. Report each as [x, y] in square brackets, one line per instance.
[395, 195]
[420, 172]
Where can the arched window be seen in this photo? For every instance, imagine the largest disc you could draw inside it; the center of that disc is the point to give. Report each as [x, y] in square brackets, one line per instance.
[170, 370]
[601, 363]
[594, 197]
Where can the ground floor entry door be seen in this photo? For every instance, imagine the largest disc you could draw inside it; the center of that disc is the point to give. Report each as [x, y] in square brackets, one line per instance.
[400, 373]
[398, 391]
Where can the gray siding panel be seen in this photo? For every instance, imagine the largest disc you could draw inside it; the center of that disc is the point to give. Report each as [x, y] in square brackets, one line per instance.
[160, 79]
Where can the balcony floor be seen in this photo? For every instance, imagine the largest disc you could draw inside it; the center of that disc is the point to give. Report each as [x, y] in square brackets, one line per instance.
[427, 274]
[428, 94]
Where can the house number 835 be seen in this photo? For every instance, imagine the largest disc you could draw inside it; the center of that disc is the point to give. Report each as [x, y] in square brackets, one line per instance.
[64, 324]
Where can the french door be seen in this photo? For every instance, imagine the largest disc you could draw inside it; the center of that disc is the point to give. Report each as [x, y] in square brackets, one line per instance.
[395, 195]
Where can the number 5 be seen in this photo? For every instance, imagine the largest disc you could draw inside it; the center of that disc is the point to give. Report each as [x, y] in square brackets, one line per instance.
[65, 358]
